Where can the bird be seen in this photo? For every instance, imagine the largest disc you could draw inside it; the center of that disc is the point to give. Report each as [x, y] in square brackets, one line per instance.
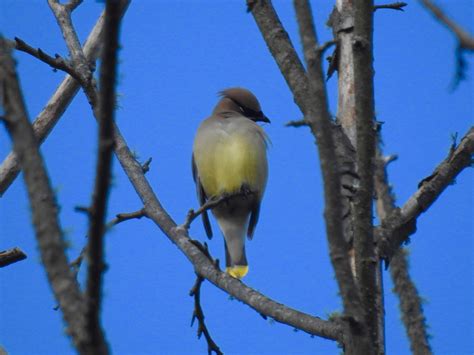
[229, 161]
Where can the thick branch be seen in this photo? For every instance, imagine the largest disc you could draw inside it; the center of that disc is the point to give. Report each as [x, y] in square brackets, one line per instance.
[98, 209]
[55, 107]
[410, 301]
[43, 203]
[400, 224]
[365, 260]
[11, 256]
[307, 96]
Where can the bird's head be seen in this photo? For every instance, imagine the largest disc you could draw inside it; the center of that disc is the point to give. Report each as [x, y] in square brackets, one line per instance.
[244, 102]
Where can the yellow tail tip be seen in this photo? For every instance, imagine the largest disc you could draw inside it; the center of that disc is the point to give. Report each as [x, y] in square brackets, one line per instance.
[237, 271]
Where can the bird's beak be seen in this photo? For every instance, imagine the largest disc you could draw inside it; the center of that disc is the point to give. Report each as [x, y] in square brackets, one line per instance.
[262, 118]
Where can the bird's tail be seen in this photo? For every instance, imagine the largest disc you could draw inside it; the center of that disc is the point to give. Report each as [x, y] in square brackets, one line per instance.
[234, 234]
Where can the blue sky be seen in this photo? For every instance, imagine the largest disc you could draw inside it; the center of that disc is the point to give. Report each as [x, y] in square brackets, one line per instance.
[175, 57]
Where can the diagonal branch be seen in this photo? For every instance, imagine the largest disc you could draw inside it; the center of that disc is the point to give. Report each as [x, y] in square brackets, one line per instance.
[56, 106]
[410, 301]
[10, 256]
[62, 12]
[43, 203]
[466, 41]
[56, 62]
[98, 209]
[401, 223]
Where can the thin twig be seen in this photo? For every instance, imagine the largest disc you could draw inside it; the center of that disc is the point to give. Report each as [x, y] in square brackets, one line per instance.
[210, 204]
[394, 6]
[198, 313]
[43, 204]
[325, 46]
[57, 62]
[11, 256]
[98, 209]
[119, 218]
[297, 123]
[146, 165]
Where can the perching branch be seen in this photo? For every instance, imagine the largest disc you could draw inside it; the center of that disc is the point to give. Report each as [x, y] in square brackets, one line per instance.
[98, 209]
[43, 204]
[56, 106]
[210, 204]
[400, 224]
[410, 301]
[11, 256]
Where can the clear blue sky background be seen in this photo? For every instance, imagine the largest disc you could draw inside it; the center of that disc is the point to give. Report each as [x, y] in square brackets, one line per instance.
[175, 56]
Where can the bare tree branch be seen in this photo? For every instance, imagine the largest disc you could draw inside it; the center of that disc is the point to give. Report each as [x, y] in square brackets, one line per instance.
[98, 209]
[56, 62]
[400, 224]
[56, 106]
[198, 313]
[63, 17]
[43, 204]
[319, 120]
[465, 40]
[411, 305]
[410, 301]
[210, 204]
[119, 218]
[365, 259]
[297, 123]
[10, 256]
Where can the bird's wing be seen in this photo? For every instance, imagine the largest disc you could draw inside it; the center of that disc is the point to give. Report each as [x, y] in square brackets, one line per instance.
[202, 199]
[253, 219]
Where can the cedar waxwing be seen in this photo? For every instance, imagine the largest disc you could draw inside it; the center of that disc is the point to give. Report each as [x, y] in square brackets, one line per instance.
[229, 156]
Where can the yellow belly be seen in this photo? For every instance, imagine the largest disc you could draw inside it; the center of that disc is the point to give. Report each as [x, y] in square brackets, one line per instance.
[232, 163]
